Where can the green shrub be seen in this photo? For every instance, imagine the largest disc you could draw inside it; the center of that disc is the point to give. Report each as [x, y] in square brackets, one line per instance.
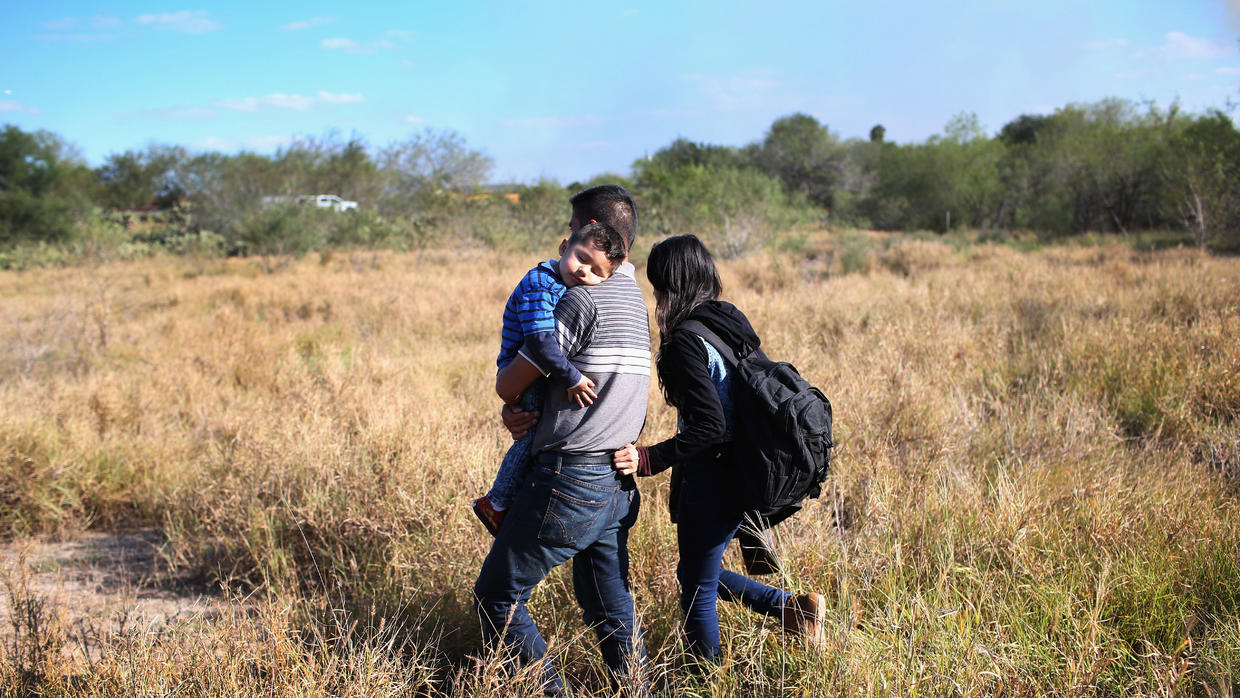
[733, 209]
[856, 253]
[280, 230]
[363, 228]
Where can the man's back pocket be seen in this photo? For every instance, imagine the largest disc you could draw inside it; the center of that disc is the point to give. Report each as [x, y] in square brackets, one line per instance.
[569, 520]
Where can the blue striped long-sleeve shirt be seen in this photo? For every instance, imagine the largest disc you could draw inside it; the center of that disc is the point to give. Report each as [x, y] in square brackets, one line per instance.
[529, 324]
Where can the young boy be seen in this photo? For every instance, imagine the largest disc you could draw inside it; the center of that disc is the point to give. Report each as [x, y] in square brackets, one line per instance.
[588, 256]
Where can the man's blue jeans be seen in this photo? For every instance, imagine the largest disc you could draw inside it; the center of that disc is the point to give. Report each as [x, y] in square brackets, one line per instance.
[572, 507]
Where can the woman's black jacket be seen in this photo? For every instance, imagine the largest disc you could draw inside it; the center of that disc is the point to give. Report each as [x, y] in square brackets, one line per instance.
[683, 367]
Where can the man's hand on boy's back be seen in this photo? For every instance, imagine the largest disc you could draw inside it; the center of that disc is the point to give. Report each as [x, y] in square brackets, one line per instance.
[583, 393]
[518, 421]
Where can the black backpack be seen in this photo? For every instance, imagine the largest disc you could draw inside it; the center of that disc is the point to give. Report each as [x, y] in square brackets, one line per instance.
[781, 430]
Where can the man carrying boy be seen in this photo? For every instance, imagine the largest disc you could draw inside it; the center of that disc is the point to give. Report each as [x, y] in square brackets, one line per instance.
[588, 256]
[573, 504]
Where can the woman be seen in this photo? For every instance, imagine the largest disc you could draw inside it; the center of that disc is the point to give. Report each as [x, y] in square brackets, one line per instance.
[707, 505]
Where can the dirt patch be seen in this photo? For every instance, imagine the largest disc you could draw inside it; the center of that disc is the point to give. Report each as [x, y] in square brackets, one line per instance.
[99, 581]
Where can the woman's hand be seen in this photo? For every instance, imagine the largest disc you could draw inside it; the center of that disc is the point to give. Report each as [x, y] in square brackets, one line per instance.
[625, 460]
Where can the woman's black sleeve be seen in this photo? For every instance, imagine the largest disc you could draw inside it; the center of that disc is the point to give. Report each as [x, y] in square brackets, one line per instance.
[686, 374]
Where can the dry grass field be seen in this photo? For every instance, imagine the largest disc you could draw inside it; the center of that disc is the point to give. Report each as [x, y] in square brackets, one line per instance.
[1036, 489]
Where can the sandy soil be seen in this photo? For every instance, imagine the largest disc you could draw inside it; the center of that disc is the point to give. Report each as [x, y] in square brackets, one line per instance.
[99, 582]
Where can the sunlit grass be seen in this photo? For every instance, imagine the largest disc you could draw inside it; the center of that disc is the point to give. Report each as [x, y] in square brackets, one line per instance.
[1036, 474]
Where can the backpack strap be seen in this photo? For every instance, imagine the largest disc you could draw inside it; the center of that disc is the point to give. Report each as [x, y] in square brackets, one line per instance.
[699, 329]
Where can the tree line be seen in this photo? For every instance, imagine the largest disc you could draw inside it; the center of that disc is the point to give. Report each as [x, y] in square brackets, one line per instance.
[1110, 166]
[48, 194]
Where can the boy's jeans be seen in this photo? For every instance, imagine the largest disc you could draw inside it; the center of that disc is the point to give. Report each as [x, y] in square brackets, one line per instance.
[572, 507]
[516, 464]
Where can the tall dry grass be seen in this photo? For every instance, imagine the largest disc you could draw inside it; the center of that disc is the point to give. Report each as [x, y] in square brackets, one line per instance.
[1035, 490]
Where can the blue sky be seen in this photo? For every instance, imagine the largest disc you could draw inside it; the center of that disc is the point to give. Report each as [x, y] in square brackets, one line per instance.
[570, 90]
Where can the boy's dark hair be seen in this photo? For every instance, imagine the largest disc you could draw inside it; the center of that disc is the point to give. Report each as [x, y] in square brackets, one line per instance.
[610, 204]
[603, 237]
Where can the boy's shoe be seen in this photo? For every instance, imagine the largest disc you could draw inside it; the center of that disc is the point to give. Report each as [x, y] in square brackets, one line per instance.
[806, 615]
[490, 517]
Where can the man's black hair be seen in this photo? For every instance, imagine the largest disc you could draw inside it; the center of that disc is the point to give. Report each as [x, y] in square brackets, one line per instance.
[610, 204]
[603, 237]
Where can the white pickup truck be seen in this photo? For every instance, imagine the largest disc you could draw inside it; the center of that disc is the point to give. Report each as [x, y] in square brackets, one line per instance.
[328, 201]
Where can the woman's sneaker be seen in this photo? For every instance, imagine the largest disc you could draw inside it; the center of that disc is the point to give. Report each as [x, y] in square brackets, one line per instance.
[490, 517]
[806, 615]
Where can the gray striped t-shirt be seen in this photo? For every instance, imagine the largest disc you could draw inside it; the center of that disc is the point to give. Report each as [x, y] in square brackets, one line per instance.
[605, 332]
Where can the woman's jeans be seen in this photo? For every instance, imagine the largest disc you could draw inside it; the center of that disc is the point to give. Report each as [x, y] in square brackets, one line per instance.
[572, 507]
[710, 513]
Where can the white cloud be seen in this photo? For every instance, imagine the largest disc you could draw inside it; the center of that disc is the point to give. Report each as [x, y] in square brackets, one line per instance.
[672, 113]
[62, 24]
[1101, 44]
[67, 24]
[283, 101]
[1179, 45]
[405, 63]
[261, 142]
[1196, 76]
[746, 81]
[293, 102]
[13, 105]
[747, 89]
[72, 38]
[330, 98]
[339, 43]
[307, 23]
[190, 113]
[276, 100]
[185, 21]
[1135, 74]
[554, 122]
[1230, 70]
[399, 34]
[238, 104]
[178, 112]
[414, 119]
[255, 143]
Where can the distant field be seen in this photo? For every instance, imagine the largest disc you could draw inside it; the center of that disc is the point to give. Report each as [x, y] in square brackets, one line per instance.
[1036, 489]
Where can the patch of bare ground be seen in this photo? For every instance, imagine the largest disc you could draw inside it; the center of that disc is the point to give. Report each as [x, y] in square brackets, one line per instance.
[98, 583]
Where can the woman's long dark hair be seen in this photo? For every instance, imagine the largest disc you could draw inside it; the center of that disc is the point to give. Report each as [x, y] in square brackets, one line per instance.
[682, 272]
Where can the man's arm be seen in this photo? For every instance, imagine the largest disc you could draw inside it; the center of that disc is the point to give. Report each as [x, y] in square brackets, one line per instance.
[517, 421]
[514, 378]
